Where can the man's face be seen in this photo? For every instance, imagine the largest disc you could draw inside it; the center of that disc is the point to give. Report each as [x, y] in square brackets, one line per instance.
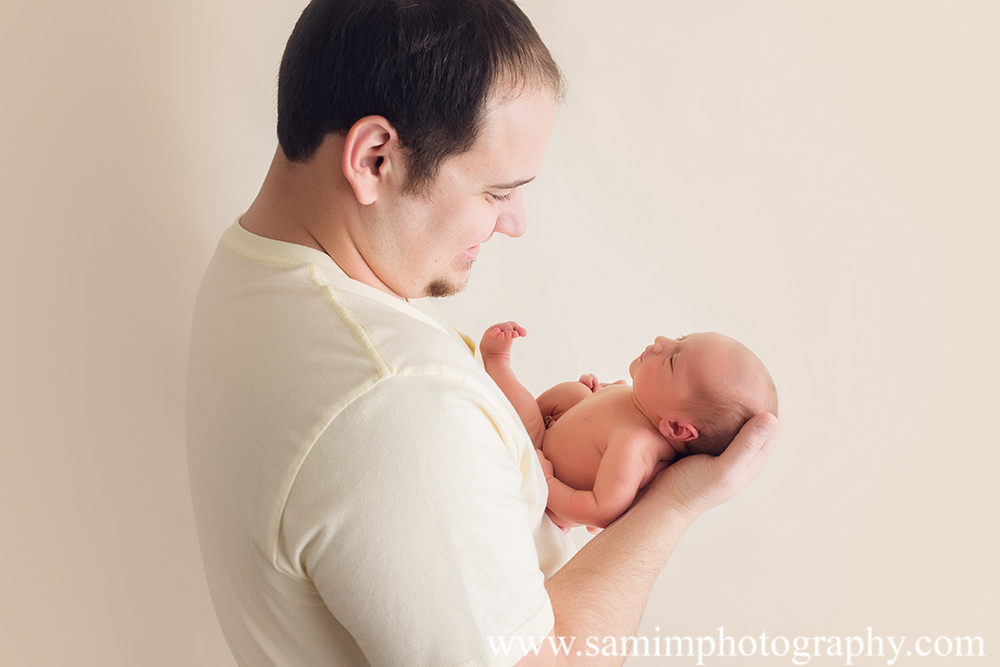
[425, 244]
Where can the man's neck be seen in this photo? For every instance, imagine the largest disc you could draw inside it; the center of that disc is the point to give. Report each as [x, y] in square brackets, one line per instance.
[303, 205]
[284, 206]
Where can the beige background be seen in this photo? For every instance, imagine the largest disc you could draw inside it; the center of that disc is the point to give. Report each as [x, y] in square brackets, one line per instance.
[819, 180]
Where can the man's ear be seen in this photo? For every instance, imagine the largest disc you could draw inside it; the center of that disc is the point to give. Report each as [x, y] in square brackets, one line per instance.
[370, 155]
[681, 430]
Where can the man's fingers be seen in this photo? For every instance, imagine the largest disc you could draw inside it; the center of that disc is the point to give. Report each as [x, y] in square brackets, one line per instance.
[773, 436]
[753, 444]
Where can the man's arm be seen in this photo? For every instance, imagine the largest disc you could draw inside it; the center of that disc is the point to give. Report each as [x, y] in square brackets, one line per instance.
[602, 591]
[435, 513]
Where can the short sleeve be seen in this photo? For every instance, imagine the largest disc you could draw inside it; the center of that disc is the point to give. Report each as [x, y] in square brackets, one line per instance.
[410, 518]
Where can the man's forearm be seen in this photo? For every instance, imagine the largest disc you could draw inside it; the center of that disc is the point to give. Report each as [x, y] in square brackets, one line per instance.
[602, 591]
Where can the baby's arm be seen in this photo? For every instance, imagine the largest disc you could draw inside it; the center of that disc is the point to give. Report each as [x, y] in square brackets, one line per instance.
[495, 348]
[621, 472]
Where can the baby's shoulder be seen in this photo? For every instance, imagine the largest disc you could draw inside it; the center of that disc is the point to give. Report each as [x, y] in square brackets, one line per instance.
[628, 433]
[641, 439]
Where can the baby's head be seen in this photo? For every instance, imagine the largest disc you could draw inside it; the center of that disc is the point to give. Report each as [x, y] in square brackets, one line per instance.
[701, 389]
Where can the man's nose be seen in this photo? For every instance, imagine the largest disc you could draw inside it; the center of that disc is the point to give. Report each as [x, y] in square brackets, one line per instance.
[512, 221]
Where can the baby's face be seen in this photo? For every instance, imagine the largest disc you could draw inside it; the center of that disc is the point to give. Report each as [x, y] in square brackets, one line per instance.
[665, 375]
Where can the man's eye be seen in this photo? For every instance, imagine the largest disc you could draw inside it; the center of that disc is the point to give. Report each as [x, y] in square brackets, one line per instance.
[500, 197]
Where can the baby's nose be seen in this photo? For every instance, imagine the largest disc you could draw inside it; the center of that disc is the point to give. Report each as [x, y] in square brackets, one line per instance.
[664, 344]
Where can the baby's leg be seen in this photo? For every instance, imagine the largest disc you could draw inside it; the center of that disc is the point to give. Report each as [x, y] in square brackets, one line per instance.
[554, 402]
[495, 348]
[497, 341]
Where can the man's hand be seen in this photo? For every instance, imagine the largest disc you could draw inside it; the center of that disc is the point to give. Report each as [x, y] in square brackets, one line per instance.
[603, 589]
[696, 484]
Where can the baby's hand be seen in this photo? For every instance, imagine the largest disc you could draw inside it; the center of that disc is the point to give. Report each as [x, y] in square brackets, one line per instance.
[545, 463]
[562, 524]
[590, 380]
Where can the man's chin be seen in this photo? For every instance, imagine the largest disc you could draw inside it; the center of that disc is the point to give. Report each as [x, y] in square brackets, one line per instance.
[441, 287]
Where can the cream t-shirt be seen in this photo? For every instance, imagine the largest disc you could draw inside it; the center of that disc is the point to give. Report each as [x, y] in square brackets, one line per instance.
[364, 493]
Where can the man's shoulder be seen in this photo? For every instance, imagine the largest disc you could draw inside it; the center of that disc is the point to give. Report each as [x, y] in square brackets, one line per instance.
[404, 339]
[279, 299]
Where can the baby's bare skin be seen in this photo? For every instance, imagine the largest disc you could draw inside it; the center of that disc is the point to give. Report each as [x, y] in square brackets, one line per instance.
[600, 448]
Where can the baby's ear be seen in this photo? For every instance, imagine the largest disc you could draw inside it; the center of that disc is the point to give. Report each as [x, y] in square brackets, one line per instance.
[678, 429]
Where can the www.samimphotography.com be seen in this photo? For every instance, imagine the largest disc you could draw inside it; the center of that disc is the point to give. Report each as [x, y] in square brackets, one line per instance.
[799, 650]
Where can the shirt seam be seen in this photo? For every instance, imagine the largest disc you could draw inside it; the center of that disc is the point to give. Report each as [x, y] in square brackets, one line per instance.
[256, 256]
[324, 425]
[357, 329]
[383, 372]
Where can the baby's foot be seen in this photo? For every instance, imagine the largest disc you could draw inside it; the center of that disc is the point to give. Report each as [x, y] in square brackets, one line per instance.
[499, 338]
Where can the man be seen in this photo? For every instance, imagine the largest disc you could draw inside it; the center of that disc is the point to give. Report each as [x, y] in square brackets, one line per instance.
[364, 493]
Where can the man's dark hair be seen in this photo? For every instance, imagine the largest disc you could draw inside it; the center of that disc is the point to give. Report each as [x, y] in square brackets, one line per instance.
[428, 66]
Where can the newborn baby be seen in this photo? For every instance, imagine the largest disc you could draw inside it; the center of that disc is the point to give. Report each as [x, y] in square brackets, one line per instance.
[600, 443]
